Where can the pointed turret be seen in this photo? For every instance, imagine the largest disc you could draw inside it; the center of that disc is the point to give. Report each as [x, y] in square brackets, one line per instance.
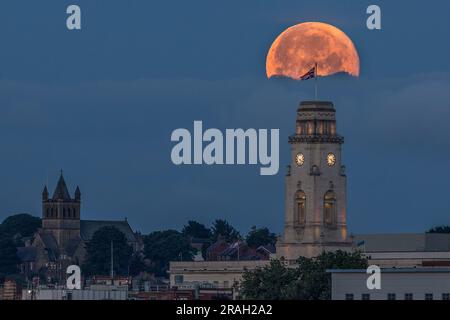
[78, 194]
[61, 191]
[45, 194]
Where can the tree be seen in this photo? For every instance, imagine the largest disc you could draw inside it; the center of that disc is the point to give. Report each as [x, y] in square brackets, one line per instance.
[440, 229]
[268, 283]
[161, 247]
[137, 265]
[8, 256]
[20, 225]
[195, 229]
[260, 237]
[98, 252]
[313, 282]
[221, 228]
[308, 281]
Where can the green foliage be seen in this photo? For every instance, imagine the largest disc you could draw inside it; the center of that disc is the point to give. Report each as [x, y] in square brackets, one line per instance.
[260, 237]
[195, 229]
[12, 229]
[221, 228]
[98, 258]
[161, 247]
[21, 225]
[440, 229]
[269, 283]
[308, 281]
[137, 265]
[8, 256]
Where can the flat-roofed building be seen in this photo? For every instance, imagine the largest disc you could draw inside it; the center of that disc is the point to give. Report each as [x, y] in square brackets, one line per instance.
[210, 274]
[405, 249]
[396, 284]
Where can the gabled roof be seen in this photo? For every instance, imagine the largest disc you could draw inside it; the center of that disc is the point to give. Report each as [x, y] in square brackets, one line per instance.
[50, 245]
[269, 248]
[89, 227]
[61, 191]
[72, 246]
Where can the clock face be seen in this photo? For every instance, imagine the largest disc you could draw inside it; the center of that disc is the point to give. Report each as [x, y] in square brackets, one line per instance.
[300, 159]
[331, 159]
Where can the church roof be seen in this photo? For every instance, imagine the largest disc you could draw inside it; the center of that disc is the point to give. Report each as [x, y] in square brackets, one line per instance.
[50, 245]
[61, 191]
[89, 227]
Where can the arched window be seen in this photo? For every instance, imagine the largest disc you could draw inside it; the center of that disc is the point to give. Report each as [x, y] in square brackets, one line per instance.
[329, 209]
[300, 207]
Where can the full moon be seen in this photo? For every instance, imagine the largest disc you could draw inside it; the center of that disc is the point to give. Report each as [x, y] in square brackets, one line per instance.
[296, 50]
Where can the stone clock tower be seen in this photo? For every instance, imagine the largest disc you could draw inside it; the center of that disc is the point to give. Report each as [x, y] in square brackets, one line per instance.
[315, 196]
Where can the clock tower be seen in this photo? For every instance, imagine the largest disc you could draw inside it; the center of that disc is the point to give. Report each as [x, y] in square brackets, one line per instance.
[315, 194]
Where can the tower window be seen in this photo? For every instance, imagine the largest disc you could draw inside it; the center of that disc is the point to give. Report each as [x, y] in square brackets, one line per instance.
[329, 209]
[300, 207]
[310, 127]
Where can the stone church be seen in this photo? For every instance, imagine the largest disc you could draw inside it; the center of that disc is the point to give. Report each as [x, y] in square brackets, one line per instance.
[315, 186]
[63, 237]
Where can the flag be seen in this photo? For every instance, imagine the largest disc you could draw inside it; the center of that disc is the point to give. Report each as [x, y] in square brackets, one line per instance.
[309, 75]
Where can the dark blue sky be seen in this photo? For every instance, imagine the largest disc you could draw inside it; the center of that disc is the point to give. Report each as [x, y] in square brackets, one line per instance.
[101, 104]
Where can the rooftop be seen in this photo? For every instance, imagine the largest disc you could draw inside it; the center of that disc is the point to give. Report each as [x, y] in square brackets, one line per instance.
[394, 270]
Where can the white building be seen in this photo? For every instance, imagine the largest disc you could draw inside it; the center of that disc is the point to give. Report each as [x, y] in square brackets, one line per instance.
[97, 293]
[396, 284]
[212, 274]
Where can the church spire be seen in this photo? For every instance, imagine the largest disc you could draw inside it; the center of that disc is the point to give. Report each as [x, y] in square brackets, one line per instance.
[61, 191]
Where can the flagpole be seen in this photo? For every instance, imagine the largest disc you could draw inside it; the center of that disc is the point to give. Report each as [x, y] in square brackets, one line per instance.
[315, 81]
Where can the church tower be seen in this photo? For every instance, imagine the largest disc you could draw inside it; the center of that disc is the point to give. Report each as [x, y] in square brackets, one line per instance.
[315, 194]
[61, 213]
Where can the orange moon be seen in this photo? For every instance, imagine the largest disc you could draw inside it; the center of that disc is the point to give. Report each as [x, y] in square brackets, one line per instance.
[296, 50]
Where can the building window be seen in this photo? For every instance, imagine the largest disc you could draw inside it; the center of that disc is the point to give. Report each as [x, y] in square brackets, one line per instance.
[408, 296]
[226, 284]
[300, 207]
[179, 279]
[428, 296]
[391, 296]
[446, 296]
[349, 296]
[329, 209]
[365, 296]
